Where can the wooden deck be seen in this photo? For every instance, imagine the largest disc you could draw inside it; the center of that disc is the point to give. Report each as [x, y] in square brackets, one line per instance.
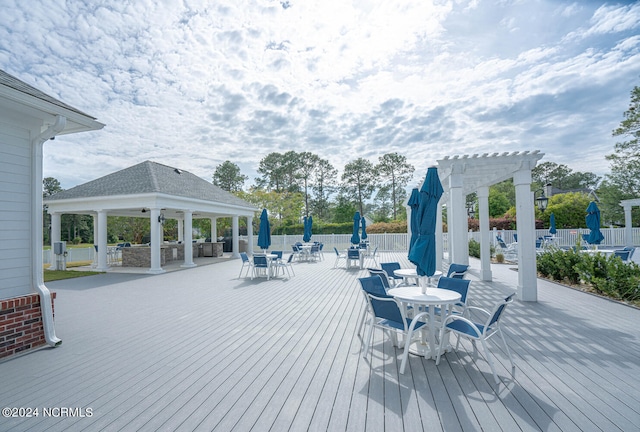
[198, 349]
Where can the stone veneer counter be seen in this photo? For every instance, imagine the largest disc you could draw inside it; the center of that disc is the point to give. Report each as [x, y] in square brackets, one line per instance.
[140, 256]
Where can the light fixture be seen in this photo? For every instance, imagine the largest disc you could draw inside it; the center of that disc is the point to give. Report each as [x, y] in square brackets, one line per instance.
[144, 210]
[542, 201]
[161, 218]
[471, 210]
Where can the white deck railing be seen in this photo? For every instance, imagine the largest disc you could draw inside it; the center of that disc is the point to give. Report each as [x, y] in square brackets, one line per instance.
[391, 242]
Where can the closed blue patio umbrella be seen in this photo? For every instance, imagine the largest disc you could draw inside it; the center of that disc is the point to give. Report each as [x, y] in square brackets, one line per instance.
[593, 223]
[552, 224]
[355, 238]
[308, 222]
[414, 203]
[305, 223]
[264, 235]
[364, 229]
[423, 252]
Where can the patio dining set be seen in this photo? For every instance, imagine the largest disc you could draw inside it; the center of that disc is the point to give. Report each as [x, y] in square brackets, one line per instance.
[424, 314]
[270, 264]
[355, 256]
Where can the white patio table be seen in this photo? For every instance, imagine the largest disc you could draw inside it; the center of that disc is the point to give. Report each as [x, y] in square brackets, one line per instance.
[407, 274]
[434, 297]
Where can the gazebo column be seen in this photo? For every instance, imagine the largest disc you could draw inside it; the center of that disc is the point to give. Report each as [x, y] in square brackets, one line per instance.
[527, 273]
[485, 234]
[155, 229]
[457, 217]
[55, 235]
[628, 225]
[235, 241]
[95, 240]
[180, 230]
[250, 234]
[102, 241]
[439, 238]
[214, 229]
[188, 239]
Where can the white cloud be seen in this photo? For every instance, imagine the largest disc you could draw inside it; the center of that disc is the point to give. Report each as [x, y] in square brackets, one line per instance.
[195, 83]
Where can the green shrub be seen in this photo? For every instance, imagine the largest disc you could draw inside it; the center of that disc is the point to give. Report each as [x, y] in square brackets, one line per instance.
[474, 249]
[611, 276]
[607, 275]
[559, 265]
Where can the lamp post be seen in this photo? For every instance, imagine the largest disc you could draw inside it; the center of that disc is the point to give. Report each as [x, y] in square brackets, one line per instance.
[542, 201]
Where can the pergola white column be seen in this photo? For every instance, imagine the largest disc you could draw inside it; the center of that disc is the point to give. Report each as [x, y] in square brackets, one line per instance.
[155, 232]
[457, 218]
[188, 239]
[485, 235]
[628, 224]
[102, 241]
[439, 237]
[527, 273]
[235, 240]
[250, 234]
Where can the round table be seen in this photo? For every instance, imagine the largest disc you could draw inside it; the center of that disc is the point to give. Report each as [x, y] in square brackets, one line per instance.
[433, 297]
[407, 274]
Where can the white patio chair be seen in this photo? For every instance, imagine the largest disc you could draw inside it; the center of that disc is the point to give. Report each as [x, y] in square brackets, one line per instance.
[387, 313]
[314, 253]
[287, 265]
[373, 256]
[261, 267]
[464, 327]
[457, 271]
[339, 256]
[389, 268]
[246, 262]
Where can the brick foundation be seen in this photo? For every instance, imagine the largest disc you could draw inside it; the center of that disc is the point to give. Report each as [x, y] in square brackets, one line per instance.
[21, 327]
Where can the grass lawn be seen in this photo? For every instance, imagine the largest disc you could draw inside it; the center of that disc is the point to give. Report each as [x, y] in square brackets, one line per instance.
[54, 275]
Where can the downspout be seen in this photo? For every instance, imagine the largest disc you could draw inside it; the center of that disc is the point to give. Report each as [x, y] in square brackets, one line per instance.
[36, 228]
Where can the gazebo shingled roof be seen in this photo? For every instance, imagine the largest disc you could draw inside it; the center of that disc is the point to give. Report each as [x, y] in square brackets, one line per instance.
[151, 177]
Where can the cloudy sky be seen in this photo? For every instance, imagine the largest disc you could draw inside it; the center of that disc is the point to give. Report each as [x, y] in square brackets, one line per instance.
[194, 83]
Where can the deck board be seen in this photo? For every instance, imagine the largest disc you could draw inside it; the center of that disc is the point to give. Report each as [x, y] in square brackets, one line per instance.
[200, 349]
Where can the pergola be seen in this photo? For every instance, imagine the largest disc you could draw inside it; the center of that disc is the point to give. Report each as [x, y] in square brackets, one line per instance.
[156, 192]
[462, 175]
[627, 205]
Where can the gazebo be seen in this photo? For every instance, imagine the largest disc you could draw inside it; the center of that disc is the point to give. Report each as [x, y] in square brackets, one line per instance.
[157, 192]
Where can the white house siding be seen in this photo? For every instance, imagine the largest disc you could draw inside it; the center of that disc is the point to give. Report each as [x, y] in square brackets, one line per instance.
[15, 233]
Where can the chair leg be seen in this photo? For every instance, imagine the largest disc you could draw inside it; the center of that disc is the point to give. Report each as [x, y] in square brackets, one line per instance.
[368, 340]
[513, 366]
[487, 355]
[363, 315]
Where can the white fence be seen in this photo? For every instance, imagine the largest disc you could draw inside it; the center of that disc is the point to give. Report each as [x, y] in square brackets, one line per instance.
[613, 237]
[74, 254]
